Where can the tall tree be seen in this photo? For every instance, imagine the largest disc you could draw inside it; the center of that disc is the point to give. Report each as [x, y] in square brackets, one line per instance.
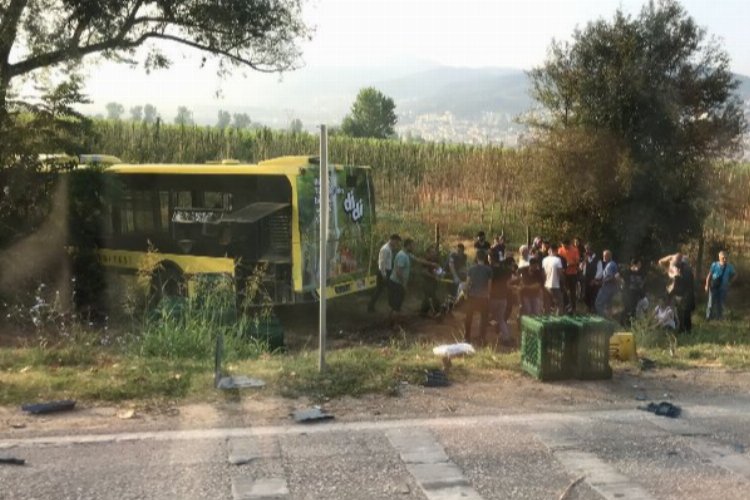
[37, 34]
[373, 114]
[149, 113]
[296, 126]
[224, 119]
[660, 96]
[136, 113]
[241, 120]
[114, 110]
[184, 116]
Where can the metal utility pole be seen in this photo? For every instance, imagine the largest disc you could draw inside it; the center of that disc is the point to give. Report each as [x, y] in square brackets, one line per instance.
[323, 263]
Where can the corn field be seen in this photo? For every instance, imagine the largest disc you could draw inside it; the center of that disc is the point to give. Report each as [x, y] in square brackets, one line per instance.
[461, 187]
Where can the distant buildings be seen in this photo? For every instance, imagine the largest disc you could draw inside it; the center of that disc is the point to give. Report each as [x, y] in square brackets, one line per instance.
[489, 128]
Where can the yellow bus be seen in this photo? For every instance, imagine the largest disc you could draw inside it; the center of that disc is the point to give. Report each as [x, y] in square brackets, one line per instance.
[239, 220]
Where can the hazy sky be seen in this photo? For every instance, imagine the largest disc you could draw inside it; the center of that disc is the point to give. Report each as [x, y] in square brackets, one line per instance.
[362, 33]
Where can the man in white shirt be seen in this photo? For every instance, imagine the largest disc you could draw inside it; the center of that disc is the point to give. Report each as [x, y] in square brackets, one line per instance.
[553, 271]
[385, 266]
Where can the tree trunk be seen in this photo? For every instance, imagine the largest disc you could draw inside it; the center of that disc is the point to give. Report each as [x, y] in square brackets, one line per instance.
[5, 145]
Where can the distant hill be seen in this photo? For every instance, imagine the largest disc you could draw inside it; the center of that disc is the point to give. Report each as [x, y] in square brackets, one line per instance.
[465, 92]
[469, 92]
[433, 102]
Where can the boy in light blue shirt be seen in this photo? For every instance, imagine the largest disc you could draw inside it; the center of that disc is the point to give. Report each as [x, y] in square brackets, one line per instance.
[720, 276]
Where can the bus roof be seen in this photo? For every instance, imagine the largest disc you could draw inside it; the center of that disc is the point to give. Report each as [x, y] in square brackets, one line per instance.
[285, 165]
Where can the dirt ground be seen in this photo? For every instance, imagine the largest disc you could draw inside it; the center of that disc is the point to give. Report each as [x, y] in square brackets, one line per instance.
[505, 393]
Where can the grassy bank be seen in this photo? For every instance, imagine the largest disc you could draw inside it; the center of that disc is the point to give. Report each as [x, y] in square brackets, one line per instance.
[715, 344]
[170, 357]
[96, 374]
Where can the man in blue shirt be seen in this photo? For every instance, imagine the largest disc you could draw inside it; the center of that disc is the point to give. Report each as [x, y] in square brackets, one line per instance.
[478, 290]
[399, 278]
[720, 276]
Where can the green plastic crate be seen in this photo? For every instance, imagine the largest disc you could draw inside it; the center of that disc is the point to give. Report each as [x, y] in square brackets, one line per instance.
[548, 347]
[593, 334]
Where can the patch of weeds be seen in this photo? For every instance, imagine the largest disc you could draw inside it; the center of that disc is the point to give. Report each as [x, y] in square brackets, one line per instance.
[187, 328]
[710, 343]
[26, 377]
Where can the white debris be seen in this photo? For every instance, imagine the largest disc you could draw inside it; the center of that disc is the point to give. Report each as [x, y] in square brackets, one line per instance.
[453, 350]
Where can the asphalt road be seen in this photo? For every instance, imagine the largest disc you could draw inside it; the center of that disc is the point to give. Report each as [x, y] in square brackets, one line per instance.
[620, 454]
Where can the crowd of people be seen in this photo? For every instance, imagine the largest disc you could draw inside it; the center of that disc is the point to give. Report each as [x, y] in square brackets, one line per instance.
[546, 278]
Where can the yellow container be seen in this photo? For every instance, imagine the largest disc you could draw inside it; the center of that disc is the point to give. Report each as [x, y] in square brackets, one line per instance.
[622, 346]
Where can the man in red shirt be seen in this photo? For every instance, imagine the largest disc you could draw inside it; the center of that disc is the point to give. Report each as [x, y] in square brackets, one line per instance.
[572, 257]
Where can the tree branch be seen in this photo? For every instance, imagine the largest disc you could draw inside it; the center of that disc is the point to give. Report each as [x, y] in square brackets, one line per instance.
[60, 55]
[213, 50]
[9, 29]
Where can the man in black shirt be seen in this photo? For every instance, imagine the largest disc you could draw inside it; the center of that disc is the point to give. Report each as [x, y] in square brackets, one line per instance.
[592, 273]
[634, 290]
[481, 244]
[497, 251]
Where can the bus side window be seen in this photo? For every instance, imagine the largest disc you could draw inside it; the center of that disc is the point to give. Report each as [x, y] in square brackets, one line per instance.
[164, 217]
[215, 199]
[143, 210]
[127, 223]
[105, 225]
[183, 199]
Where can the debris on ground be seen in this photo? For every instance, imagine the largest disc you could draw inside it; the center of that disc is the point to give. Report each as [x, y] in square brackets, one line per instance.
[566, 494]
[449, 351]
[647, 364]
[17, 425]
[8, 460]
[126, 414]
[239, 382]
[314, 414]
[49, 407]
[663, 409]
[453, 350]
[436, 378]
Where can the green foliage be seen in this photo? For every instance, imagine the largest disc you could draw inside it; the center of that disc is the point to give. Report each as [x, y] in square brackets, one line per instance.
[28, 180]
[373, 114]
[723, 343]
[187, 327]
[657, 97]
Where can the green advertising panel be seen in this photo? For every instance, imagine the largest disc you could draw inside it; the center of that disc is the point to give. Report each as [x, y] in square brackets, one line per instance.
[350, 223]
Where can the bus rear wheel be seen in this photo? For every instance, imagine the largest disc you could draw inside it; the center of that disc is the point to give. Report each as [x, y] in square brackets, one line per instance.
[167, 281]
